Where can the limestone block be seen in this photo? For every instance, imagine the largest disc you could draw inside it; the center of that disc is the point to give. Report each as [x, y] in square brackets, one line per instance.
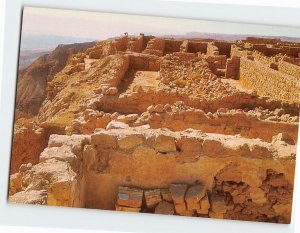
[166, 195]
[130, 197]
[213, 147]
[152, 197]
[193, 196]
[165, 208]
[204, 205]
[283, 137]
[104, 140]
[130, 141]
[178, 193]
[76, 142]
[217, 203]
[35, 197]
[116, 125]
[164, 143]
[180, 208]
[63, 153]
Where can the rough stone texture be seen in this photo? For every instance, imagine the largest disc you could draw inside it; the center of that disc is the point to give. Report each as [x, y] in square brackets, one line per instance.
[130, 197]
[191, 127]
[269, 82]
[165, 208]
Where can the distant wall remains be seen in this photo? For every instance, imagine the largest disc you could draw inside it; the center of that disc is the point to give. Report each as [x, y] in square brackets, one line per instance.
[290, 69]
[268, 82]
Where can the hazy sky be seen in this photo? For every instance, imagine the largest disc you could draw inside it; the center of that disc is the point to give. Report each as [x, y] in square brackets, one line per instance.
[94, 25]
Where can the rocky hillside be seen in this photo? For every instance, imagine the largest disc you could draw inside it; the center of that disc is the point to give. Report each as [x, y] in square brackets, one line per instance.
[32, 81]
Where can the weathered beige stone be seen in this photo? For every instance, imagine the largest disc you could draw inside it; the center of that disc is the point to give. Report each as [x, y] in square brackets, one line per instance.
[104, 140]
[130, 141]
[164, 143]
[152, 197]
[35, 197]
[63, 153]
[116, 125]
[178, 193]
[165, 208]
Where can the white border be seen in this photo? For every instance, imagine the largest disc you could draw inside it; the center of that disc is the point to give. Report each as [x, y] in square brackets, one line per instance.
[55, 217]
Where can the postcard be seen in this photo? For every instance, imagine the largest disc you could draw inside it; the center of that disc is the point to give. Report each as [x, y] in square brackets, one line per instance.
[155, 115]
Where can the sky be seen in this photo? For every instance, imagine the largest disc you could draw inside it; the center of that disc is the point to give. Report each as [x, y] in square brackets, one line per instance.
[98, 26]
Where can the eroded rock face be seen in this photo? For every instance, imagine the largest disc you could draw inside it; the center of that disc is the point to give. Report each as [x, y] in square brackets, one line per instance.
[32, 82]
[158, 125]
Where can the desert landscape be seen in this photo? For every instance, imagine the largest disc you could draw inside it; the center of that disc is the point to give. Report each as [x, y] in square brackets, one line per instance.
[177, 126]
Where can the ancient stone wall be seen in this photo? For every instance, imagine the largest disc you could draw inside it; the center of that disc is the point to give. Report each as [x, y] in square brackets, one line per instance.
[102, 49]
[121, 43]
[136, 44]
[292, 60]
[290, 69]
[233, 67]
[179, 117]
[58, 177]
[172, 45]
[223, 47]
[144, 62]
[184, 46]
[268, 82]
[259, 40]
[28, 143]
[212, 50]
[155, 46]
[217, 62]
[159, 159]
[125, 155]
[197, 47]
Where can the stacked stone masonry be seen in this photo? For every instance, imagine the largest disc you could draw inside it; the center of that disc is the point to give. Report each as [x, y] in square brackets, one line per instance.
[175, 126]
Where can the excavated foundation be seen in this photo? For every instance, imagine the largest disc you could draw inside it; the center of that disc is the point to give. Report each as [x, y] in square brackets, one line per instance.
[187, 127]
[235, 172]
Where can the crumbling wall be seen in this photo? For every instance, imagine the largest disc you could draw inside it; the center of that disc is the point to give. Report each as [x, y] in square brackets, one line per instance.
[212, 50]
[158, 158]
[290, 69]
[239, 52]
[290, 51]
[233, 67]
[269, 82]
[121, 43]
[136, 44]
[28, 143]
[58, 179]
[216, 63]
[172, 45]
[197, 47]
[144, 62]
[223, 47]
[292, 60]
[249, 124]
[155, 46]
[102, 49]
[259, 40]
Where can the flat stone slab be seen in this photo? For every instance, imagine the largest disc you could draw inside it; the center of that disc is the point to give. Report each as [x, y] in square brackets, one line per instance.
[130, 197]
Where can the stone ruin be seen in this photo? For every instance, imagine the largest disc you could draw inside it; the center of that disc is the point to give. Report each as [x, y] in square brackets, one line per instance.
[188, 127]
